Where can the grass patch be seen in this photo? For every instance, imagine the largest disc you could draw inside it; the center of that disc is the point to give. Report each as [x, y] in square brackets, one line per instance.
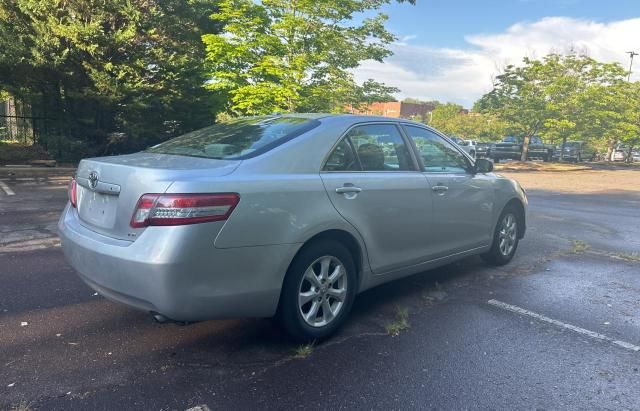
[399, 324]
[579, 247]
[303, 351]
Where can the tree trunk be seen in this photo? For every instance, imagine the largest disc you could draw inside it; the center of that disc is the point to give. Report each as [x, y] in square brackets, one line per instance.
[629, 158]
[610, 151]
[525, 148]
[564, 143]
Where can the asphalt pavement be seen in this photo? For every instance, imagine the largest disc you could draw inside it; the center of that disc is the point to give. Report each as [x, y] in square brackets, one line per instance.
[557, 328]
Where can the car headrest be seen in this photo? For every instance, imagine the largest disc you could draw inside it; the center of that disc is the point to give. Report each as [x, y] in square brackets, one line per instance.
[371, 157]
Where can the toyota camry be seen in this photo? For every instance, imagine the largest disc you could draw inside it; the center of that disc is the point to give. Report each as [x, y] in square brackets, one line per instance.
[284, 215]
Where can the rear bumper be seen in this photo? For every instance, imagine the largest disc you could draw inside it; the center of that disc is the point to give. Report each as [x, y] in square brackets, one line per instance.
[177, 272]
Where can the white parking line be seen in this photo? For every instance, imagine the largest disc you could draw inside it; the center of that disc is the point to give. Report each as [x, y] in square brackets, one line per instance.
[6, 189]
[579, 330]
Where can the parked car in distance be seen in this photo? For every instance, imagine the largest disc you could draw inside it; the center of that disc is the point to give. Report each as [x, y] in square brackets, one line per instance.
[511, 148]
[620, 153]
[467, 145]
[285, 215]
[483, 149]
[576, 151]
[635, 155]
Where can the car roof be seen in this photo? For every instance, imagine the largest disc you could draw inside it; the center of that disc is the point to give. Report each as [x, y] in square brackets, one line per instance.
[354, 118]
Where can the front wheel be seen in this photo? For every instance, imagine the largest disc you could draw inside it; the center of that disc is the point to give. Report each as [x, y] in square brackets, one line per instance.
[505, 238]
[318, 291]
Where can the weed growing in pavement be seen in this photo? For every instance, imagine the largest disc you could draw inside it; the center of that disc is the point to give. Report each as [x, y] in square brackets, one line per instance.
[400, 323]
[21, 406]
[303, 351]
[579, 246]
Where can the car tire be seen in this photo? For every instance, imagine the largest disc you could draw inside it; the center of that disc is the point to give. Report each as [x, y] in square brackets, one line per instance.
[501, 253]
[302, 295]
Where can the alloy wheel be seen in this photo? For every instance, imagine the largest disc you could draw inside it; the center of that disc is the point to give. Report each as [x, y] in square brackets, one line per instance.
[322, 291]
[507, 234]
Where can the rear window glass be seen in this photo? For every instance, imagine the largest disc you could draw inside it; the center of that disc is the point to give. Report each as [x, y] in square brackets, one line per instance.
[512, 139]
[237, 139]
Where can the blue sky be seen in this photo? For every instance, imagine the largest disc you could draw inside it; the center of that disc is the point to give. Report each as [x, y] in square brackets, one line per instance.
[450, 50]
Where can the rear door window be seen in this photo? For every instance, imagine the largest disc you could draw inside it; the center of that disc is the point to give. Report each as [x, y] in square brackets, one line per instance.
[342, 158]
[380, 147]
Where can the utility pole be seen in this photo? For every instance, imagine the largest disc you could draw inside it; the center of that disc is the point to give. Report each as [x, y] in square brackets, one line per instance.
[631, 55]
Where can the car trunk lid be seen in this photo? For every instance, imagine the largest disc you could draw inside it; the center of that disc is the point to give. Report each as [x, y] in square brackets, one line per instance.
[109, 187]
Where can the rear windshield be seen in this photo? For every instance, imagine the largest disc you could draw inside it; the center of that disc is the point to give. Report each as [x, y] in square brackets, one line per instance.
[237, 139]
[511, 139]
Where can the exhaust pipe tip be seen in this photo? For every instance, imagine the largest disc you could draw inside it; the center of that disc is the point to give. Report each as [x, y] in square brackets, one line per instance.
[159, 318]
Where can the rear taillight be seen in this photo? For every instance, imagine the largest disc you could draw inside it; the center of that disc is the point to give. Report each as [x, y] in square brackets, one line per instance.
[73, 192]
[179, 209]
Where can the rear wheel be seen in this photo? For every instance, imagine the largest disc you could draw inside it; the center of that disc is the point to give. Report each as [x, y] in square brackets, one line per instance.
[318, 291]
[505, 238]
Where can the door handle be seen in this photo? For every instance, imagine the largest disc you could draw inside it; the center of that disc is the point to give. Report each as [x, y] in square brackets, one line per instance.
[348, 189]
[440, 189]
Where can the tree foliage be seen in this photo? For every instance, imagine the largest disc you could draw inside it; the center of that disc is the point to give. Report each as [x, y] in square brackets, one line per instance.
[100, 68]
[453, 120]
[294, 55]
[562, 97]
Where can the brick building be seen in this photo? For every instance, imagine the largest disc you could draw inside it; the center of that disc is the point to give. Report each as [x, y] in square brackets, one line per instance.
[397, 109]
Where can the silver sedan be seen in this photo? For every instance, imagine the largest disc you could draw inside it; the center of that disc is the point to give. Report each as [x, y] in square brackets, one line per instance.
[285, 215]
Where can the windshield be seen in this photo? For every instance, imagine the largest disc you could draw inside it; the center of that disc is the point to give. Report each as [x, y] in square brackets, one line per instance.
[237, 139]
[511, 139]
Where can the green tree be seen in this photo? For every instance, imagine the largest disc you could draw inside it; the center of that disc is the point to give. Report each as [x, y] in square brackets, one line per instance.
[453, 120]
[559, 97]
[294, 55]
[358, 97]
[518, 98]
[105, 68]
[572, 93]
[443, 117]
[628, 129]
[413, 100]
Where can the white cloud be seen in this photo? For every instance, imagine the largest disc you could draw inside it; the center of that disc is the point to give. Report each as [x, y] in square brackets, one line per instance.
[463, 75]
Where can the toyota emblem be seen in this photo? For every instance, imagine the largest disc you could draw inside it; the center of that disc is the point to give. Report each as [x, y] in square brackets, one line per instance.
[93, 180]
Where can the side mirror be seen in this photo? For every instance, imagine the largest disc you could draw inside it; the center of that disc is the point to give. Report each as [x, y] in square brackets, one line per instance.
[483, 165]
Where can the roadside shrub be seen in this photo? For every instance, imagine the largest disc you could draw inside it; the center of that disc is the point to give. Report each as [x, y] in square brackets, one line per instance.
[17, 153]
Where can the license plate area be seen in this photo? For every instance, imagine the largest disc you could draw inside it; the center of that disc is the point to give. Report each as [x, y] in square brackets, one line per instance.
[96, 208]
